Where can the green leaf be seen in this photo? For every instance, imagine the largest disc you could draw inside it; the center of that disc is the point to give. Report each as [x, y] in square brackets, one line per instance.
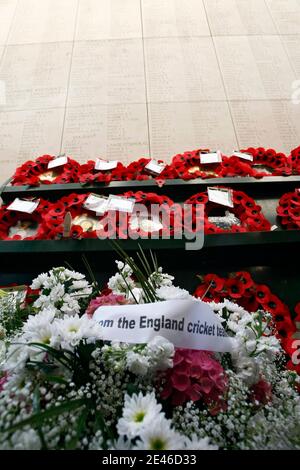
[56, 379]
[60, 356]
[38, 418]
[131, 389]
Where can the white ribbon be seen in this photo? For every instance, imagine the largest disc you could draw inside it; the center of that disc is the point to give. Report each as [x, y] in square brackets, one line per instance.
[189, 324]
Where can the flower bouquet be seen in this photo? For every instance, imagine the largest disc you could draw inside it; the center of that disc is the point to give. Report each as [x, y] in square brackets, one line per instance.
[64, 387]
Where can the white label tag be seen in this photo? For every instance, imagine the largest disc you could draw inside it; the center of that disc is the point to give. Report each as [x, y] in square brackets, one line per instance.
[103, 165]
[21, 205]
[155, 167]
[274, 227]
[145, 224]
[187, 324]
[220, 196]
[244, 156]
[59, 161]
[96, 203]
[119, 203]
[212, 157]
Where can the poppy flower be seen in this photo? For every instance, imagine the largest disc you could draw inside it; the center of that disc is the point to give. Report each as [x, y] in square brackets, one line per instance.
[273, 305]
[245, 278]
[262, 293]
[235, 288]
[58, 210]
[216, 283]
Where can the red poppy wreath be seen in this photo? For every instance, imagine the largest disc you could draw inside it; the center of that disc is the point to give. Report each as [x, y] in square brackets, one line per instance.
[242, 289]
[294, 161]
[188, 166]
[268, 162]
[161, 216]
[33, 173]
[16, 225]
[244, 216]
[89, 174]
[85, 222]
[235, 166]
[137, 171]
[288, 210]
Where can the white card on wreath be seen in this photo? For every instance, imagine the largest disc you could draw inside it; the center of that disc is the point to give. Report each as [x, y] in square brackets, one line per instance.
[155, 167]
[96, 203]
[104, 165]
[221, 196]
[211, 157]
[21, 205]
[244, 156]
[58, 161]
[121, 204]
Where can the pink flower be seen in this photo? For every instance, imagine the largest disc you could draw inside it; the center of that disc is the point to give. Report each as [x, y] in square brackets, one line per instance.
[195, 375]
[105, 300]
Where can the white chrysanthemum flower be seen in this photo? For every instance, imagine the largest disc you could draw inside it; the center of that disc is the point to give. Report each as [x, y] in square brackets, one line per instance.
[70, 305]
[71, 330]
[39, 328]
[119, 285]
[194, 443]
[137, 363]
[172, 293]
[72, 274]
[161, 279]
[81, 284]
[39, 321]
[161, 352]
[138, 413]
[120, 444]
[57, 293]
[39, 281]
[158, 435]
[43, 301]
[63, 289]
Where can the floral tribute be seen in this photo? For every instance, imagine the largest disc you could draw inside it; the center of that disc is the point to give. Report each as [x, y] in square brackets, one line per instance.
[241, 288]
[62, 387]
[89, 175]
[244, 216]
[85, 223]
[187, 166]
[33, 173]
[268, 162]
[235, 166]
[165, 222]
[137, 171]
[288, 210]
[22, 226]
[294, 160]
